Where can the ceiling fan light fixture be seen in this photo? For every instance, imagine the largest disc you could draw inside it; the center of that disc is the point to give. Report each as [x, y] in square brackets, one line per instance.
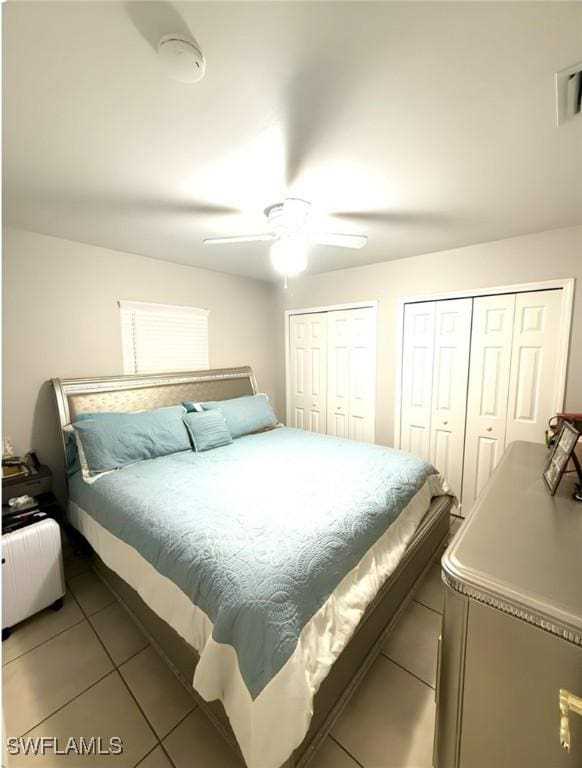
[291, 233]
[289, 217]
[289, 255]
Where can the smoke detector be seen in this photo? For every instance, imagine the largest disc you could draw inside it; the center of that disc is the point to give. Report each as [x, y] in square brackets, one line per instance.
[181, 58]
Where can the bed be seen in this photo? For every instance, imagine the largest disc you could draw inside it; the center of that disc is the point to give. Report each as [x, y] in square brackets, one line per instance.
[267, 572]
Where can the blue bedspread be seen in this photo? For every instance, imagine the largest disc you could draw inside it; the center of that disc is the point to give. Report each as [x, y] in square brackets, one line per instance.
[260, 532]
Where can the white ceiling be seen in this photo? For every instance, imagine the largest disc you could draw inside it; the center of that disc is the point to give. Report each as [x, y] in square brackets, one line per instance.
[432, 123]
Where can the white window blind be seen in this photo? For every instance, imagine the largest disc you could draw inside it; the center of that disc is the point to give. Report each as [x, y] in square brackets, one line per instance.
[159, 338]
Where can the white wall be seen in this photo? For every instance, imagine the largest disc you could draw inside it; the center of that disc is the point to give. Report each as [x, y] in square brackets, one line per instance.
[61, 316]
[552, 254]
[61, 319]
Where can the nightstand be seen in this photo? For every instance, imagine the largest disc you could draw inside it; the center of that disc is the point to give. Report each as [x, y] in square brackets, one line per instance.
[40, 508]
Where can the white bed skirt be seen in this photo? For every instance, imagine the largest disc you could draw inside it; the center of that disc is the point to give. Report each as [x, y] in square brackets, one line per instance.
[269, 728]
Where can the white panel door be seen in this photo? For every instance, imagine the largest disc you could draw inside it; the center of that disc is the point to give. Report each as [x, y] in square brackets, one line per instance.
[417, 367]
[362, 412]
[449, 388]
[489, 367]
[533, 381]
[339, 340]
[351, 373]
[308, 371]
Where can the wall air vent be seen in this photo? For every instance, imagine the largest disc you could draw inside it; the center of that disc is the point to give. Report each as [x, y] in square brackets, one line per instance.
[569, 93]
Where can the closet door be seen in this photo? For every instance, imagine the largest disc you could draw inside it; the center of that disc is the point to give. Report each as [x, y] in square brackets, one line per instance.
[449, 388]
[350, 360]
[308, 371]
[417, 367]
[533, 381]
[362, 410]
[489, 367]
[338, 378]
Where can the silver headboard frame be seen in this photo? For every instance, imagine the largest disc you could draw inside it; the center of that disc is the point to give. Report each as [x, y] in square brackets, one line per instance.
[142, 392]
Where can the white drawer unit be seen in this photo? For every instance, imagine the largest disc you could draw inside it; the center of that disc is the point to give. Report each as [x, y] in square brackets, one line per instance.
[509, 686]
[32, 572]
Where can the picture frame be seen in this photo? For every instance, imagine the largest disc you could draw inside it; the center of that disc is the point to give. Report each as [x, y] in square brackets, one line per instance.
[559, 457]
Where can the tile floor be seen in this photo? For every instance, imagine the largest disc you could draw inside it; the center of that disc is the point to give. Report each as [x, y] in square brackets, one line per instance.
[87, 670]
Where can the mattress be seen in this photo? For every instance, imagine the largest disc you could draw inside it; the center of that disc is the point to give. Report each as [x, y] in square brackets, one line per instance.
[263, 555]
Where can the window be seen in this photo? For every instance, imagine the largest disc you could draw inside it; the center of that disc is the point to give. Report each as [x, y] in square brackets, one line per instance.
[158, 338]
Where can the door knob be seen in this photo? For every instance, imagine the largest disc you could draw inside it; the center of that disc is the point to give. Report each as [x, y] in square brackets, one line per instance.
[568, 703]
[445, 423]
[489, 429]
[339, 407]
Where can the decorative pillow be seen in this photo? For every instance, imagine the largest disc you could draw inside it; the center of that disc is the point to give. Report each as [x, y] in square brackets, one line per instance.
[244, 415]
[207, 429]
[109, 441]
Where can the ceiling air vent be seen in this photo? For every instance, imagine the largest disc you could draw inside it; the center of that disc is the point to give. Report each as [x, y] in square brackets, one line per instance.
[569, 93]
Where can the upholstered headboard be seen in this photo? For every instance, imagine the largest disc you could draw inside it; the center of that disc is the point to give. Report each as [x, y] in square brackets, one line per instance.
[142, 392]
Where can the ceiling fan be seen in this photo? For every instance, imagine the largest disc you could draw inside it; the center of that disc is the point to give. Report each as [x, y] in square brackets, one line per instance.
[291, 234]
[314, 100]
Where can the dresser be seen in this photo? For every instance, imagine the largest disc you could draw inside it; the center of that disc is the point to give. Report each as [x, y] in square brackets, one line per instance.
[509, 679]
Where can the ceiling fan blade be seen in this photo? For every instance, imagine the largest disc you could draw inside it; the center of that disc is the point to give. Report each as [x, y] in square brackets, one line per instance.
[131, 204]
[239, 239]
[417, 218]
[339, 240]
[154, 19]
[178, 207]
[201, 207]
[316, 99]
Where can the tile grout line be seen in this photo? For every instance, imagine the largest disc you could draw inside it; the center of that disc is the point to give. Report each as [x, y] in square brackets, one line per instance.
[90, 615]
[117, 669]
[100, 679]
[129, 658]
[180, 721]
[348, 753]
[101, 582]
[404, 669]
[58, 709]
[145, 757]
[46, 640]
[74, 576]
[123, 680]
[424, 605]
[140, 761]
[159, 738]
[94, 613]
[167, 754]
[138, 705]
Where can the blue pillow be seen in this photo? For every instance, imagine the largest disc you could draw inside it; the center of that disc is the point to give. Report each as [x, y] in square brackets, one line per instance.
[207, 429]
[114, 440]
[244, 415]
[72, 463]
